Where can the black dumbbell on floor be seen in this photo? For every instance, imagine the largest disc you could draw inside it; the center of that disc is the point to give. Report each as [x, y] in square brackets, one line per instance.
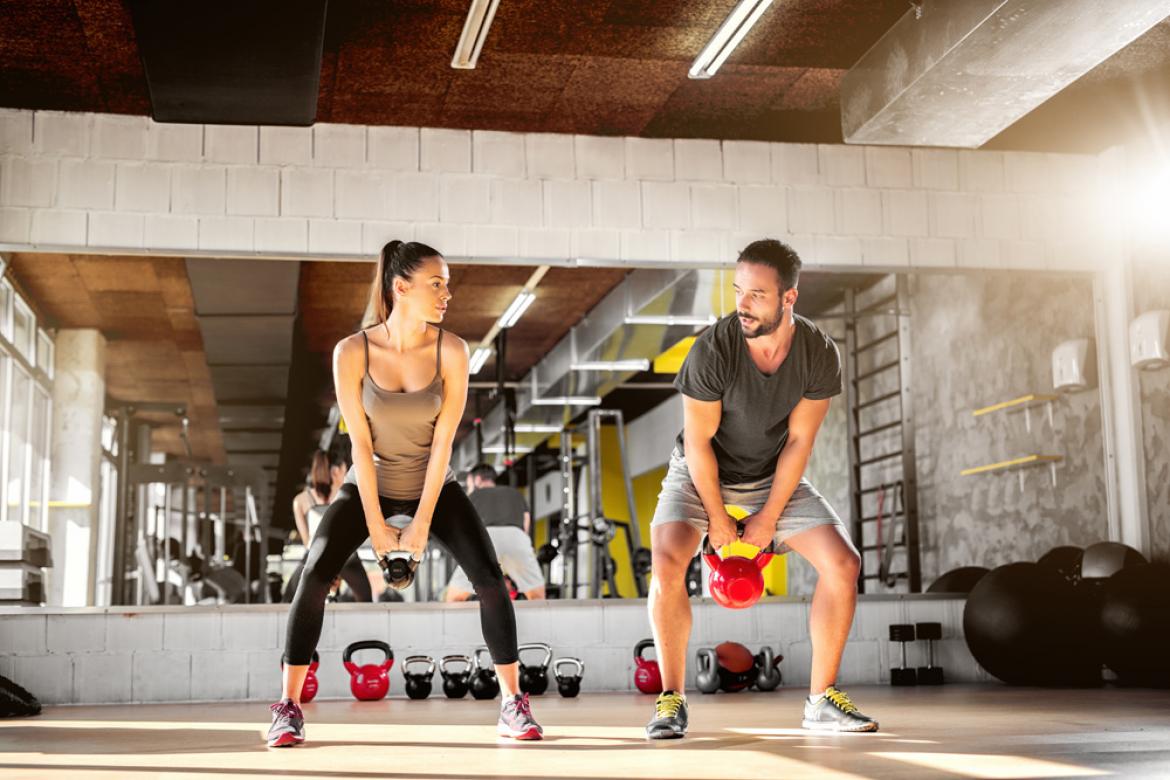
[929, 674]
[902, 675]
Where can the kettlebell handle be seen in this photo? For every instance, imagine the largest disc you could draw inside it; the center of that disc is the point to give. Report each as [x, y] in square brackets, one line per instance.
[536, 646]
[577, 662]
[368, 644]
[419, 659]
[641, 647]
[447, 660]
[476, 665]
[762, 557]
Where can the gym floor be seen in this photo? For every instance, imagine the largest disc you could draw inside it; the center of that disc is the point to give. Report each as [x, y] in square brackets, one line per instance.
[977, 731]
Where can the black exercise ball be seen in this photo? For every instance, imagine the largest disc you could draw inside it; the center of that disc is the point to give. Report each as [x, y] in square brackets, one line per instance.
[1104, 559]
[959, 580]
[1026, 626]
[1065, 561]
[1135, 624]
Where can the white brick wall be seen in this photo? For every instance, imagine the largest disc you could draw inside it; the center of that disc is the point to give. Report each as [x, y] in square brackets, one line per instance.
[115, 183]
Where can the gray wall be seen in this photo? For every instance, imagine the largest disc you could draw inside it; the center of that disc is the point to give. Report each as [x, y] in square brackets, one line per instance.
[1152, 291]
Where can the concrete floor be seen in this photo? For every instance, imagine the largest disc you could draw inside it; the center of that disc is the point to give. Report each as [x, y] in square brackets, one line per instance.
[955, 731]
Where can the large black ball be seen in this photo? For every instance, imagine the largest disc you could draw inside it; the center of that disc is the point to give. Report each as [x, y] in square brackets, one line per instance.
[959, 580]
[1104, 559]
[1026, 625]
[1135, 624]
[1065, 561]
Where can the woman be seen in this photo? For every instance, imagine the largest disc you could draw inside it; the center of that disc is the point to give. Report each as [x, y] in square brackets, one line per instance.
[323, 482]
[401, 385]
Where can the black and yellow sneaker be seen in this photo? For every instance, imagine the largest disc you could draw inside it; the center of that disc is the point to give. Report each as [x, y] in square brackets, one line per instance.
[670, 717]
[835, 712]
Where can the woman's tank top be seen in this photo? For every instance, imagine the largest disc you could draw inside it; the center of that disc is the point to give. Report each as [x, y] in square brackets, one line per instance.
[314, 514]
[402, 426]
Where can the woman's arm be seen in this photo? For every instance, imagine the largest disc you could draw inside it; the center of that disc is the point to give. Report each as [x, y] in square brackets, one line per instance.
[414, 536]
[348, 370]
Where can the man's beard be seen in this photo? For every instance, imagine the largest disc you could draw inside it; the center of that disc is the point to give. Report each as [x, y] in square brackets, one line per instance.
[762, 327]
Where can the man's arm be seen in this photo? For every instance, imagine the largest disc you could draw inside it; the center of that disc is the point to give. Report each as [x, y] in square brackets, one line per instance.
[803, 425]
[700, 422]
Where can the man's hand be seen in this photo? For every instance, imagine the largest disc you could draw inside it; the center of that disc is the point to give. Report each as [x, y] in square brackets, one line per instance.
[759, 531]
[721, 531]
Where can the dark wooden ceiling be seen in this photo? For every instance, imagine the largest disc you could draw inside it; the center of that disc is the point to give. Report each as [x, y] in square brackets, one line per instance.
[613, 67]
[144, 308]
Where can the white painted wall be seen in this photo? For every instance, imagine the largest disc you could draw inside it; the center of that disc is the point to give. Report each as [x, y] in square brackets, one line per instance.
[112, 183]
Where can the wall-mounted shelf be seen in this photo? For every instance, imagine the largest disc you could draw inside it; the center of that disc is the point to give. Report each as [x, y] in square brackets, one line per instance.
[1025, 404]
[1017, 464]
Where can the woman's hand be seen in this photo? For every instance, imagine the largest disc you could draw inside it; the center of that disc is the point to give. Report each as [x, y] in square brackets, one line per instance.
[384, 539]
[413, 538]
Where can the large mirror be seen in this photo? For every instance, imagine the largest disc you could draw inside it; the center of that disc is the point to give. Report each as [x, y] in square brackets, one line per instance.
[969, 433]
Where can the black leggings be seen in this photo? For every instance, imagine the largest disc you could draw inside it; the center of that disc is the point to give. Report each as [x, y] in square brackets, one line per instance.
[353, 574]
[455, 525]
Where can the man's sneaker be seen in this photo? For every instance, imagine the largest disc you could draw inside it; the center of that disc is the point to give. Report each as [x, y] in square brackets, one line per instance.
[288, 724]
[516, 719]
[670, 717]
[835, 712]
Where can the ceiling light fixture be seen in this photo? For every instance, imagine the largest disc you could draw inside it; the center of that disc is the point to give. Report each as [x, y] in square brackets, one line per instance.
[478, 358]
[516, 308]
[475, 31]
[670, 319]
[568, 400]
[637, 364]
[727, 37]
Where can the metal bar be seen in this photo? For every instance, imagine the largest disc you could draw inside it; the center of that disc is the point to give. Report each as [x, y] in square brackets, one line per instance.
[876, 342]
[122, 513]
[879, 458]
[879, 429]
[898, 575]
[874, 371]
[848, 368]
[909, 454]
[876, 401]
[596, 513]
[568, 527]
[634, 531]
[166, 545]
[878, 304]
[247, 545]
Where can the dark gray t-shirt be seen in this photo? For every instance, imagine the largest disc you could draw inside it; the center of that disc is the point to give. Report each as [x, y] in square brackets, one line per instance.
[500, 505]
[754, 425]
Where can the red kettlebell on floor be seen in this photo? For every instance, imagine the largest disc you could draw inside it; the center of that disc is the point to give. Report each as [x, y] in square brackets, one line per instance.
[647, 676]
[309, 686]
[370, 681]
[737, 582]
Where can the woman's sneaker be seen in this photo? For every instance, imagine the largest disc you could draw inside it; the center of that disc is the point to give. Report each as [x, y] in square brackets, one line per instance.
[835, 712]
[670, 717]
[288, 724]
[516, 719]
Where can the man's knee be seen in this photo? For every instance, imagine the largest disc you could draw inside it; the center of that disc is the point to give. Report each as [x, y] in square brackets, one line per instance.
[672, 549]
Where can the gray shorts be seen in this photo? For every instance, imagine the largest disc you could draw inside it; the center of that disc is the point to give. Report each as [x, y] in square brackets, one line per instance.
[516, 556]
[679, 502]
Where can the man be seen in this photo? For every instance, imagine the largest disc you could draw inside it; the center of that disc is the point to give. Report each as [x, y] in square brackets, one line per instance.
[756, 387]
[506, 516]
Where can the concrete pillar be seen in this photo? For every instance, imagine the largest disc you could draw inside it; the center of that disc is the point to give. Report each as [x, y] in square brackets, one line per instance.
[79, 398]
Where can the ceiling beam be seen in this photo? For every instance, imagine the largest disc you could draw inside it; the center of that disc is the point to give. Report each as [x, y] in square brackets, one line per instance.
[957, 72]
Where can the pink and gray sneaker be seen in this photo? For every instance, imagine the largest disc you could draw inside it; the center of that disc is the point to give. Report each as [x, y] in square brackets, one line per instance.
[288, 724]
[516, 719]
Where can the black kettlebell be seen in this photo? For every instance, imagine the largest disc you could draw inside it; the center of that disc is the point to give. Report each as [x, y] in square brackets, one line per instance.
[707, 676]
[767, 669]
[456, 684]
[418, 684]
[569, 685]
[534, 678]
[398, 566]
[484, 684]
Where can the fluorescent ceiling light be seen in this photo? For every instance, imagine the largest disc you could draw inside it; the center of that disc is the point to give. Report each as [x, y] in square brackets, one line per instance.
[478, 358]
[727, 37]
[638, 364]
[498, 449]
[475, 30]
[516, 308]
[568, 400]
[670, 319]
[537, 428]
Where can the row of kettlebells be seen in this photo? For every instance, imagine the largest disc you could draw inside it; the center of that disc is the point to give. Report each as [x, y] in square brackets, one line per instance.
[462, 674]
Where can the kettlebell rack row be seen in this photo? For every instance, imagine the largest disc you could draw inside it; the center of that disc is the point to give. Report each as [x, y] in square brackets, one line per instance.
[729, 667]
[461, 674]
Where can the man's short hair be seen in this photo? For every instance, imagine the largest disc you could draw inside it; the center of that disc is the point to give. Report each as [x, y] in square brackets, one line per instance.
[781, 257]
[483, 471]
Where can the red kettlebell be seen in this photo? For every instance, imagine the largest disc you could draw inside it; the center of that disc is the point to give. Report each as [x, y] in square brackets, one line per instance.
[737, 582]
[647, 676]
[309, 686]
[371, 681]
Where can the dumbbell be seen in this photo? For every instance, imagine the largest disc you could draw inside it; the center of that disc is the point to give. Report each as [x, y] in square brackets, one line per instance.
[903, 675]
[418, 684]
[929, 674]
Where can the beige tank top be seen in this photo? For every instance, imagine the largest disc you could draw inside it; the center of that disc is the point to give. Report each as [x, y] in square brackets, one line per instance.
[402, 426]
